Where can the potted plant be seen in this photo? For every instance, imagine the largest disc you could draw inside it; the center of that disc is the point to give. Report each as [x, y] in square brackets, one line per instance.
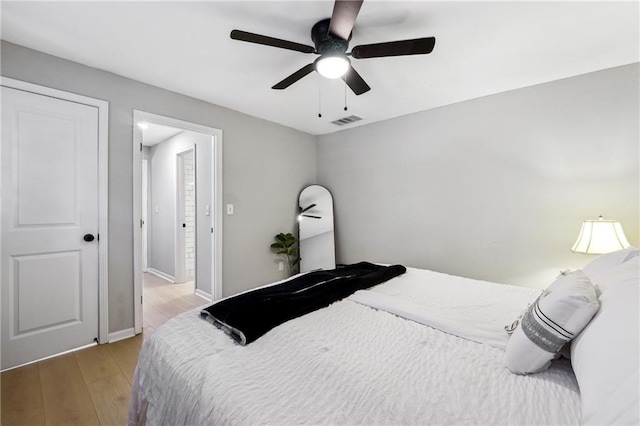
[287, 245]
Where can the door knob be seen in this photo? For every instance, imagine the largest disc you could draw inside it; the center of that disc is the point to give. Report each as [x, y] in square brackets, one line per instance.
[88, 237]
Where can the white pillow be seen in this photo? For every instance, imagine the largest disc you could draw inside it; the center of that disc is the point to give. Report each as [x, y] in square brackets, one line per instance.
[605, 355]
[603, 263]
[556, 317]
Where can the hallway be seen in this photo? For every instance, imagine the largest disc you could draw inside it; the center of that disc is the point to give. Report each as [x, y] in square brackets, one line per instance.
[162, 300]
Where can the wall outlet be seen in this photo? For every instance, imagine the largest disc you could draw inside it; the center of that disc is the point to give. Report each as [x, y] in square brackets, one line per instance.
[281, 266]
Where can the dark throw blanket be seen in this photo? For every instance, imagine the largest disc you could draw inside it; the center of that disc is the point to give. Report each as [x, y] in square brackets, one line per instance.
[248, 316]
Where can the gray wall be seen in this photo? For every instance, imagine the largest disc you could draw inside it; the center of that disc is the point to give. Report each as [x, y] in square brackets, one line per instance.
[265, 165]
[494, 188]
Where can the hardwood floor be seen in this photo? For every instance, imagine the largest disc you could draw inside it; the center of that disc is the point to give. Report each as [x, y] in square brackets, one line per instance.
[90, 386]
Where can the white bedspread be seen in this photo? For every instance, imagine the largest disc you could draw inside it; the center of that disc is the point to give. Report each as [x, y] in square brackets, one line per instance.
[351, 364]
[471, 309]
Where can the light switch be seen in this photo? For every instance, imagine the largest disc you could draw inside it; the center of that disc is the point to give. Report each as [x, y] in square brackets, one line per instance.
[206, 210]
[229, 208]
[156, 209]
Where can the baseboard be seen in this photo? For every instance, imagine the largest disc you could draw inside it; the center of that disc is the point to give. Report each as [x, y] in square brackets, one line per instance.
[204, 295]
[162, 275]
[121, 335]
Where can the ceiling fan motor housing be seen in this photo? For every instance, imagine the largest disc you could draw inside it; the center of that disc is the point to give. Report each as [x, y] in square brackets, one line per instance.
[324, 42]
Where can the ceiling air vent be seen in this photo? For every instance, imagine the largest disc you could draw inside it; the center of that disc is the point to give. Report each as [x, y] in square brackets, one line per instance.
[347, 120]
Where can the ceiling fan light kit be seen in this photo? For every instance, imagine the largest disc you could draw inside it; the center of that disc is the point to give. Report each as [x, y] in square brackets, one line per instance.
[332, 66]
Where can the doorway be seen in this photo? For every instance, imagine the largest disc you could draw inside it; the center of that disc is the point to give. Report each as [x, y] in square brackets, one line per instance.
[182, 230]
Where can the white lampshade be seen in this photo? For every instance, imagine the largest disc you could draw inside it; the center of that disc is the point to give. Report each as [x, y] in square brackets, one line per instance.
[332, 66]
[600, 236]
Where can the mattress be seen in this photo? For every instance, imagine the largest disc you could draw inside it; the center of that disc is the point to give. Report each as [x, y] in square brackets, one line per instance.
[350, 363]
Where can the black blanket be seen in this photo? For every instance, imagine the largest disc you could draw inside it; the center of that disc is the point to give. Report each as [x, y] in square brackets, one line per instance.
[248, 316]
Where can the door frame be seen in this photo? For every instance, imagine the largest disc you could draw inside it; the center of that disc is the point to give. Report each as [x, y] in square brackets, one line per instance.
[103, 188]
[144, 213]
[216, 185]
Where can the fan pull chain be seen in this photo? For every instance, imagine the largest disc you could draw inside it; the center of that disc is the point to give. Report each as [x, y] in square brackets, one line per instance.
[345, 95]
[319, 96]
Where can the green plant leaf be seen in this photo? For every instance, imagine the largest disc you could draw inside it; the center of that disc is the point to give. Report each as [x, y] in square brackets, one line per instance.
[287, 245]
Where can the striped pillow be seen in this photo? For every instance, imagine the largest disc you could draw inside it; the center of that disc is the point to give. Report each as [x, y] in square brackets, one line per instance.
[553, 320]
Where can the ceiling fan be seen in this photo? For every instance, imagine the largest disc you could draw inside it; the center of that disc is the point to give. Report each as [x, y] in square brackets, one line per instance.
[331, 39]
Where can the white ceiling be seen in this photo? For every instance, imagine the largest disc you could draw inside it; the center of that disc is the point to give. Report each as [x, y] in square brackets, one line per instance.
[481, 48]
[153, 134]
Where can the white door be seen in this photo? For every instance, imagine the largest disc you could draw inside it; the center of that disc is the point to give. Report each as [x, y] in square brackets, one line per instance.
[185, 249]
[49, 214]
[181, 219]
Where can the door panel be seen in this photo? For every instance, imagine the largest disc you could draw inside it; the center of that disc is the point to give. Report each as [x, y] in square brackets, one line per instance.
[46, 291]
[38, 199]
[49, 202]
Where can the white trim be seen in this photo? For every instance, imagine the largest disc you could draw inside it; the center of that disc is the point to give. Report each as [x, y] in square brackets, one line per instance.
[121, 335]
[203, 294]
[137, 226]
[103, 242]
[144, 214]
[162, 275]
[216, 235]
[103, 190]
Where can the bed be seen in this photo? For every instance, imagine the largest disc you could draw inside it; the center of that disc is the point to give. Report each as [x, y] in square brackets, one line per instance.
[420, 348]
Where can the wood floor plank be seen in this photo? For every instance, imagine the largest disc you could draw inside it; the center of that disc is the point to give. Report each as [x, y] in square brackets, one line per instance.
[125, 353]
[21, 397]
[96, 363]
[169, 309]
[110, 397]
[172, 290]
[153, 316]
[153, 296]
[145, 324]
[194, 300]
[65, 396]
[177, 304]
[147, 332]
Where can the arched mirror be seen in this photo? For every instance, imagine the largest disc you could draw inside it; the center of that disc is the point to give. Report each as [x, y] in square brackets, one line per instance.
[315, 221]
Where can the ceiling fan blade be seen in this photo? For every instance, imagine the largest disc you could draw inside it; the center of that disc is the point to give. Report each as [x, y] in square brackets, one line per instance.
[308, 208]
[312, 217]
[417, 46]
[344, 17]
[295, 77]
[355, 82]
[270, 41]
